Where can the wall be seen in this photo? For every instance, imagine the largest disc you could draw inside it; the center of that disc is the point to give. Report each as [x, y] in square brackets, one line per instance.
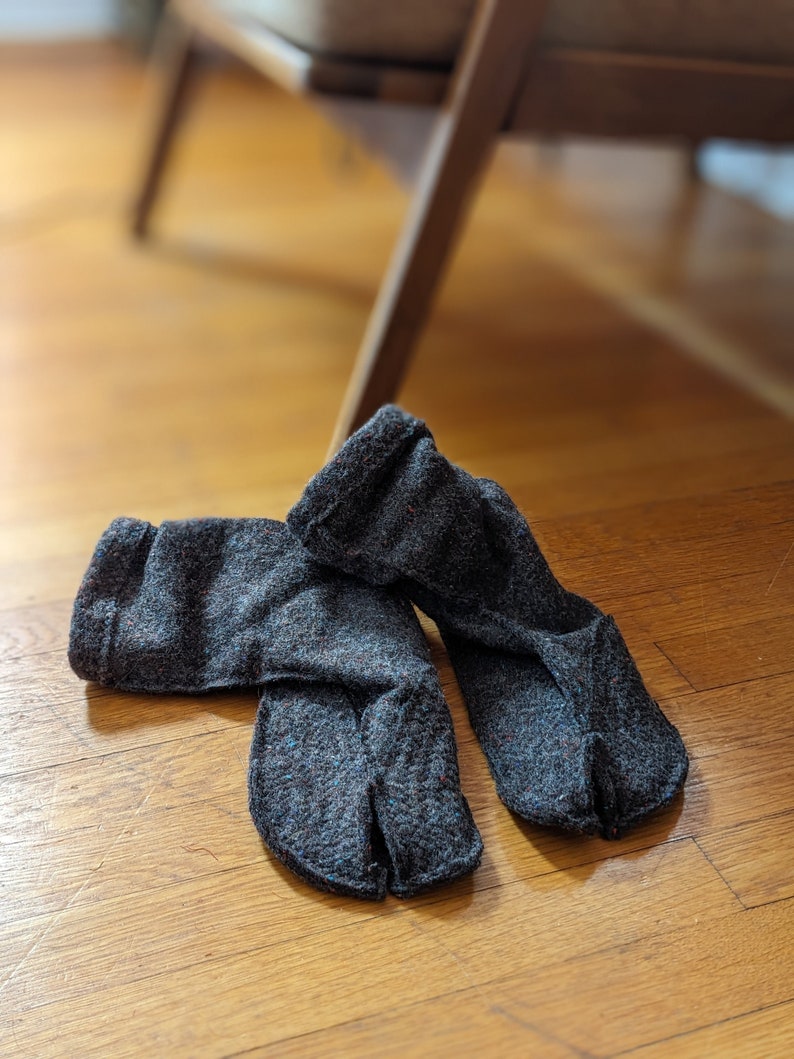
[53, 19]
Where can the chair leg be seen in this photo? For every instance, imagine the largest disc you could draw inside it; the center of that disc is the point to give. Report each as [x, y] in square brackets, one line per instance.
[485, 83]
[177, 52]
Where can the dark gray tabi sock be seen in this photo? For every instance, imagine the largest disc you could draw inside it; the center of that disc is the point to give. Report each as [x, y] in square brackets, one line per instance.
[571, 735]
[353, 777]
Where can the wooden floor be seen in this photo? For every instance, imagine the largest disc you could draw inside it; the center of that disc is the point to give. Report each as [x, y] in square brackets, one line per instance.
[612, 346]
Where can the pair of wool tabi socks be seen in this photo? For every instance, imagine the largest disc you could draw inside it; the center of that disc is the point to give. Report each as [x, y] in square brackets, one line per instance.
[571, 735]
[353, 776]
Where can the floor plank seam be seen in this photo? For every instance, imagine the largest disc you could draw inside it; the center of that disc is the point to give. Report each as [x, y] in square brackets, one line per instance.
[769, 904]
[109, 755]
[689, 683]
[738, 683]
[744, 907]
[711, 755]
[699, 1029]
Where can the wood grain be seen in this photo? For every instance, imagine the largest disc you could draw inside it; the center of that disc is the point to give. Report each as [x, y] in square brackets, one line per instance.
[201, 374]
[711, 658]
[610, 94]
[755, 859]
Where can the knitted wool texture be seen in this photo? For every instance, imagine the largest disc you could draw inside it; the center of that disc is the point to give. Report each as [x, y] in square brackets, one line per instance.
[353, 779]
[571, 735]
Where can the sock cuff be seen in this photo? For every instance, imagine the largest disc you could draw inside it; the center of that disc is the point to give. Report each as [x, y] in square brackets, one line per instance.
[115, 568]
[364, 460]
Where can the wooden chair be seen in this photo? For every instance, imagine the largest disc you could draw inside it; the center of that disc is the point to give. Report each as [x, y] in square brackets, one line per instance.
[504, 78]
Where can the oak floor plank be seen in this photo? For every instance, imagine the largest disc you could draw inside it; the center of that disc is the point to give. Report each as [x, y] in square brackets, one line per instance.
[684, 521]
[712, 605]
[449, 1024]
[599, 491]
[737, 786]
[260, 936]
[715, 657]
[755, 859]
[646, 995]
[745, 714]
[677, 562]
[51, 718]
[751, 1036]
[668, 452]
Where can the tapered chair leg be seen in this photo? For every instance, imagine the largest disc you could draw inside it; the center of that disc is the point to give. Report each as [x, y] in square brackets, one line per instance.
[176, 50]
[486, 80]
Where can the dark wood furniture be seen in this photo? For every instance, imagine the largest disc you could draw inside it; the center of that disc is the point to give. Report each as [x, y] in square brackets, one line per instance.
[502, 82]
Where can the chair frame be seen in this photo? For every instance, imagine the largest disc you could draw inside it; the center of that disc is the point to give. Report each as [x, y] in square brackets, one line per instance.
[501, 82]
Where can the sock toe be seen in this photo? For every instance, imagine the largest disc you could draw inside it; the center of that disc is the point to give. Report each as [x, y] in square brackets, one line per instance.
[427, 826]
[648, 760]
[430, 836]
[309, 790]
[647, 773]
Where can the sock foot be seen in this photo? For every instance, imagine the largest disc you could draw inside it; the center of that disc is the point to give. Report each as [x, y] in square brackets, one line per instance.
[308, 789]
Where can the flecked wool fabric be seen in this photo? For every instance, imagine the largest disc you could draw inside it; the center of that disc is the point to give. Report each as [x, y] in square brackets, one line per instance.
[572, 737]
[353, 777]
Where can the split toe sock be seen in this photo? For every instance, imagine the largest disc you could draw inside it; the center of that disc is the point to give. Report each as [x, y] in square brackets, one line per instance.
[353, 777]
[571, 735]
